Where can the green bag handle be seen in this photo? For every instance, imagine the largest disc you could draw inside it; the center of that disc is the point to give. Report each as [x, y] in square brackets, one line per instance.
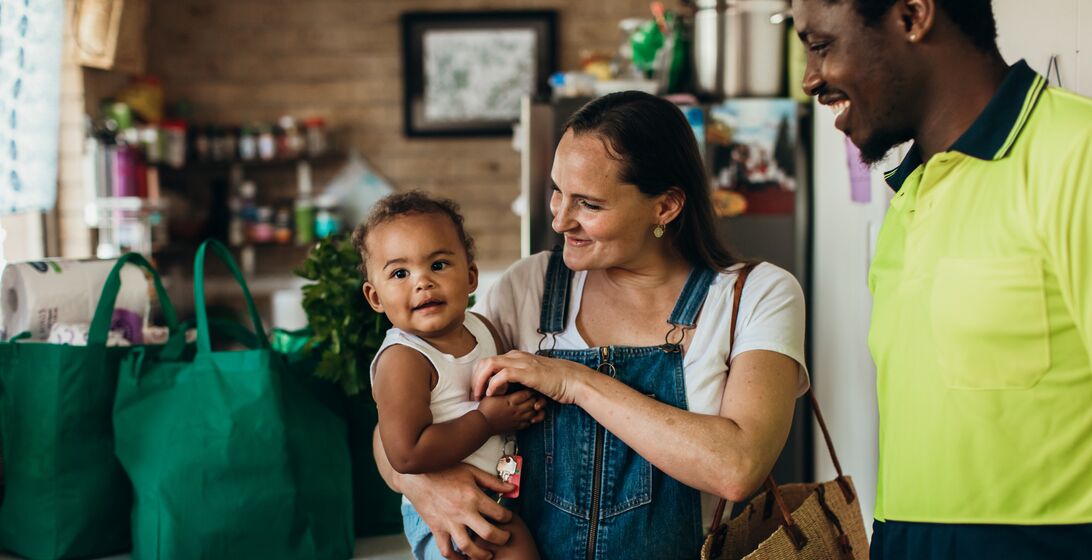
[226, 328]
[100, 323]
[204, 344]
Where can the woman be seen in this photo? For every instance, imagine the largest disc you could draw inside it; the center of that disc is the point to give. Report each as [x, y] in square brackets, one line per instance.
[630, 322]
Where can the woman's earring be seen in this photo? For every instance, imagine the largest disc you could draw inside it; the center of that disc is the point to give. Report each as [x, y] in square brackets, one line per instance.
[658, 231]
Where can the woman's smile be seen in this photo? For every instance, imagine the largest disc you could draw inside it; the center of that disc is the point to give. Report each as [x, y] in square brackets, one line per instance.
[577, 242]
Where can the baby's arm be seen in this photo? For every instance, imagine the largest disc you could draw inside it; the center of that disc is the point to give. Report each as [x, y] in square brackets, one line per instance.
[414, 445]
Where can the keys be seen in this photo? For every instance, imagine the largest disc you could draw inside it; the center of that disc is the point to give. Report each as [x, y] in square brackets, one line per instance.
[508, 469]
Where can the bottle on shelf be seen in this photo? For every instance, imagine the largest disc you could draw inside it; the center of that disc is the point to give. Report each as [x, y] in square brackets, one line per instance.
[282, 225]
[304, 213]
[248, 144]
[267, 143]
[174, 143]
[327, 222]
[261, 229]
[243, 213]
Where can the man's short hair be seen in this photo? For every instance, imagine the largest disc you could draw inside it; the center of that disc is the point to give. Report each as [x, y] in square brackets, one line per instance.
[973, 17]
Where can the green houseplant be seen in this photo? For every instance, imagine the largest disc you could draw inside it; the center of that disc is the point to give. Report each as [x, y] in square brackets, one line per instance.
[342, 337]
[344, 331]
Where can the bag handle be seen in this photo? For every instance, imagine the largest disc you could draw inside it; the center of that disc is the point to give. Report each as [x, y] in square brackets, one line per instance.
[100, 322]
[847, 490]
[794, 533]
[737, 295]
[204, 343]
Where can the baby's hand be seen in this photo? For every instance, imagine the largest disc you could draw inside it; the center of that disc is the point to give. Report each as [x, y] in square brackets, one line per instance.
[508, 413]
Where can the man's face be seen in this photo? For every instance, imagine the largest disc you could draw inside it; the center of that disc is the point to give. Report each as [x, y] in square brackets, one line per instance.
[860, 72]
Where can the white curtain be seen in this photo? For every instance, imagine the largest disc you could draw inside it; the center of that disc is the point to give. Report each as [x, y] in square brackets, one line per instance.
[30, 78]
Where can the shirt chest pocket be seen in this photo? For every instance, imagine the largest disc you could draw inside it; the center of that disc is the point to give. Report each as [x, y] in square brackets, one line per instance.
[990, 322]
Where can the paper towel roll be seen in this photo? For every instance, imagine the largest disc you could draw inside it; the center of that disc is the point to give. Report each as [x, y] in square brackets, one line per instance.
[78, 333]
[36, 295]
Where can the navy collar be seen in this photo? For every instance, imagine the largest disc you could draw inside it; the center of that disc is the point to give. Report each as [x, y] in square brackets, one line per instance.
[992, 134]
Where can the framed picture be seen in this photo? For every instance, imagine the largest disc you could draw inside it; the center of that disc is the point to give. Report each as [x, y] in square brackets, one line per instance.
[465, 72]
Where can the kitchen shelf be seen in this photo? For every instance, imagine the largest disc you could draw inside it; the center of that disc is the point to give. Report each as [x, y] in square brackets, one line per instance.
[277, 163]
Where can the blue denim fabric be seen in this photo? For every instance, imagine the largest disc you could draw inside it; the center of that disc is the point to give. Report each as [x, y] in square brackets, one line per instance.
[630, 509]
[418, 534]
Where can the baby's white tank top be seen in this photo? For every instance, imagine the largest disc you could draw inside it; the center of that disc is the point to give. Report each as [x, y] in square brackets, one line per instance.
[451, 396]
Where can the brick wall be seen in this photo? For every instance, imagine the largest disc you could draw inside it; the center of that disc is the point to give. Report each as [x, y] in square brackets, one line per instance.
[244, 60]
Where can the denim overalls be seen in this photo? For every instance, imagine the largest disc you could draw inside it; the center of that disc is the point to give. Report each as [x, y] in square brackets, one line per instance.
[586, 494]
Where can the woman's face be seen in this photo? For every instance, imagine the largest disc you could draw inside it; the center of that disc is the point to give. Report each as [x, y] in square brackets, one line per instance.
[606, 223]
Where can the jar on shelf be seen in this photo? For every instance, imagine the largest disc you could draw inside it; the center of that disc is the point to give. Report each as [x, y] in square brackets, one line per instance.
[151, 140]
[290, 142]
[174, 143]
[267, 143]
[248, 144]
[282, 225]
[261, 230]
[315, 128]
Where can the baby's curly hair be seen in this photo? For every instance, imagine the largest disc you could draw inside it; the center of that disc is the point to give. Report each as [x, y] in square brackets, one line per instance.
[405, 204]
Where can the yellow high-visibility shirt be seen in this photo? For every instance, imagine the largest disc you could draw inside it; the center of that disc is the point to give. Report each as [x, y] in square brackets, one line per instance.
[982, 319]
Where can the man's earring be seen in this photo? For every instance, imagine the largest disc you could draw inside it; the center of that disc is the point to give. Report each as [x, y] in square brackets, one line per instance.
[658, 231]
[913, 37]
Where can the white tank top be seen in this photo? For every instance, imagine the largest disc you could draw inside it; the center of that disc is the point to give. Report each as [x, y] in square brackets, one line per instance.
[451, 396]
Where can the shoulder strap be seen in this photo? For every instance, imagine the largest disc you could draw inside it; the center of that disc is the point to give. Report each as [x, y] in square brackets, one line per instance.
[771, 485]
[737, 295]
[555, 295]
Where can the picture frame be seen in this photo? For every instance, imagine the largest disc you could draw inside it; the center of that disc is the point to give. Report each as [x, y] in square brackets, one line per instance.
[465, 72]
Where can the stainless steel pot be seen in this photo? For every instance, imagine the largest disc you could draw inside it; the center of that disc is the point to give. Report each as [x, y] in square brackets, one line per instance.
[739, 50]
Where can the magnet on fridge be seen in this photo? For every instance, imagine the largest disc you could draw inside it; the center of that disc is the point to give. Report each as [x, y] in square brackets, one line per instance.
[860, 175]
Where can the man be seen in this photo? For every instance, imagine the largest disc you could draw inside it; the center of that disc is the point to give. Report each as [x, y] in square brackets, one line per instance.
[982, 279]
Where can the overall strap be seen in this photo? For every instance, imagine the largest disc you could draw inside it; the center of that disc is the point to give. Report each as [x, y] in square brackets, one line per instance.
[555, 295]
[686, 309]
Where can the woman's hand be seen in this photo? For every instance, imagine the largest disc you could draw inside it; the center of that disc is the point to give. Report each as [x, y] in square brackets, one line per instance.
[451, 503]
[559, 380]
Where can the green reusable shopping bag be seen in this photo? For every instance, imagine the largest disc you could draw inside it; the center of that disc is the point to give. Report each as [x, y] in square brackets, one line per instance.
[231, 454]
[66, 495]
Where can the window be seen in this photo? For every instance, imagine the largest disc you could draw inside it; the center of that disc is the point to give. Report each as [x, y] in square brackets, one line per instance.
[30, 75]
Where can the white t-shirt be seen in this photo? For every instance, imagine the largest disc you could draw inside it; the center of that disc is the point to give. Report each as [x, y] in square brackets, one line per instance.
[771, 317]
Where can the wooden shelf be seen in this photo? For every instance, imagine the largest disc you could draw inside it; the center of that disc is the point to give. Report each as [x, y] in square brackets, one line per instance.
[279, 163]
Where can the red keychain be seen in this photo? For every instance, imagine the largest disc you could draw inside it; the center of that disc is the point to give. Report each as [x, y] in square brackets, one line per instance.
[509, 468]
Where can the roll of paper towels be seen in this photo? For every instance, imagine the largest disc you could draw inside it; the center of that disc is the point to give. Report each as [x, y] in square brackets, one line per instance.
[36, 295]
[77, 335]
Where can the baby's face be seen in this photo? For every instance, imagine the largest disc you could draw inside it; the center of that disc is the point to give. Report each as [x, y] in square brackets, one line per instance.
[418, 274]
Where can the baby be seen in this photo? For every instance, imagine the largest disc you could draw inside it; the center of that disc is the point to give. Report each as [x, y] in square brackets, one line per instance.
[419, 269]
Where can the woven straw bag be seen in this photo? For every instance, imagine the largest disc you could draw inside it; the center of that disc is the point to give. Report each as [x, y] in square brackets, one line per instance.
[800, 521]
